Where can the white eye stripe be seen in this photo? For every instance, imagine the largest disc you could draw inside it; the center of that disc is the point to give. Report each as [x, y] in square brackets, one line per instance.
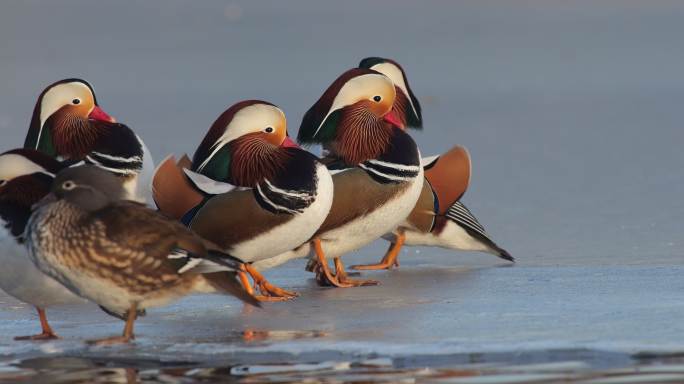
[397, 76]
[358, 88]
[59, 96]
[247, 120]
[14, 165]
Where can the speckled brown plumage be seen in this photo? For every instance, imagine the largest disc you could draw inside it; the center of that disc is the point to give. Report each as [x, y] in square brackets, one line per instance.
[118, 253]
[109, 245]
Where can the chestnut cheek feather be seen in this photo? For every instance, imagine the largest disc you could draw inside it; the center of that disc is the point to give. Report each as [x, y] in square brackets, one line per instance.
[400, 107]
[73, 135]
[361, 135]
[24, 191]
[254, 158]
[272, 138]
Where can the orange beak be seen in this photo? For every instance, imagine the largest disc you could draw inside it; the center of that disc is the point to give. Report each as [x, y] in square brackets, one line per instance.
[288, 143]
[392, 118]
[98, 114]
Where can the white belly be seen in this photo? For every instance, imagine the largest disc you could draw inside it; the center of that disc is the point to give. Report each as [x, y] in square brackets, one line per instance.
[20, 278]
[118, 299]
[452, 237]
[359, 232]
[283, 258]
[365, 229]
[295, 232]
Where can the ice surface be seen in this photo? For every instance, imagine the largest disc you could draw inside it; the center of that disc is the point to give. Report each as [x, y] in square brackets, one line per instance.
[571, 111]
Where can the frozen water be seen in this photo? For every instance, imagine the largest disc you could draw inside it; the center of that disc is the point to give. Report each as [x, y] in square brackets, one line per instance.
[571, 111]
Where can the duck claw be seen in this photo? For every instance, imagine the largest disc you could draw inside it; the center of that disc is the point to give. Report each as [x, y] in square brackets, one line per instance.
[39, 337]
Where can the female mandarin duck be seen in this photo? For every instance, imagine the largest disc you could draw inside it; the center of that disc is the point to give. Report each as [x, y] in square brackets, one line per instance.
[284, 192]
[380, 177]
[121, 254]
[67, 123]
[439, 218]
[25, 178]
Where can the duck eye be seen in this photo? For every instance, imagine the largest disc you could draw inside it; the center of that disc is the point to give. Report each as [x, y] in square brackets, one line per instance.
[76, 101]
[377, 98]
[269, 130]
[68, 185]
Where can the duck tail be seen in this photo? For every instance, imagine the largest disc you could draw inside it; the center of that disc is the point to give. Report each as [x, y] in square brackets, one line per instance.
[172, 192]
[461, 215]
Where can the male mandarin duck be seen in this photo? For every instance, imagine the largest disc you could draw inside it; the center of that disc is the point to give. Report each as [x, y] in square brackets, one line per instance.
[68, 124]
[25, 178]
[379, 178]
[406, 104]
[439, 217]
[282, 196]
[119, 253]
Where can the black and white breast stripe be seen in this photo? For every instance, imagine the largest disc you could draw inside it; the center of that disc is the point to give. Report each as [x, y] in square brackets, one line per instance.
[464, 218]
[118, 150]
[116, 164]
[278, 200]
[399, 163]
[386, 172]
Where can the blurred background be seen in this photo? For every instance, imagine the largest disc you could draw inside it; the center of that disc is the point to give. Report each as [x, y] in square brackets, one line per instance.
[572, 110]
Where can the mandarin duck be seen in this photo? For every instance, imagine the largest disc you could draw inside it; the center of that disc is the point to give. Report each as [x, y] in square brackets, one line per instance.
[250, 189]
[119, 253]
[378, 176]
[439, 217]
[68, 124]
[25, 178]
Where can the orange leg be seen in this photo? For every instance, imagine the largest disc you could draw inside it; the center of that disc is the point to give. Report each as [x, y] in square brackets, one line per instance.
[47, 332]
[127, 333]
[391, 258]
[254, 335]
[340, 279]
[269, 292]
[323, 275]
[344, 279]
[242, 275]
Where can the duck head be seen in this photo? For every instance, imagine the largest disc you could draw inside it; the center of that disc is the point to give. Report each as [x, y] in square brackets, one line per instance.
[354, 117]
[246, 144]
[66, 120]
[88, 187]
[26, 176]
[406, 104]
